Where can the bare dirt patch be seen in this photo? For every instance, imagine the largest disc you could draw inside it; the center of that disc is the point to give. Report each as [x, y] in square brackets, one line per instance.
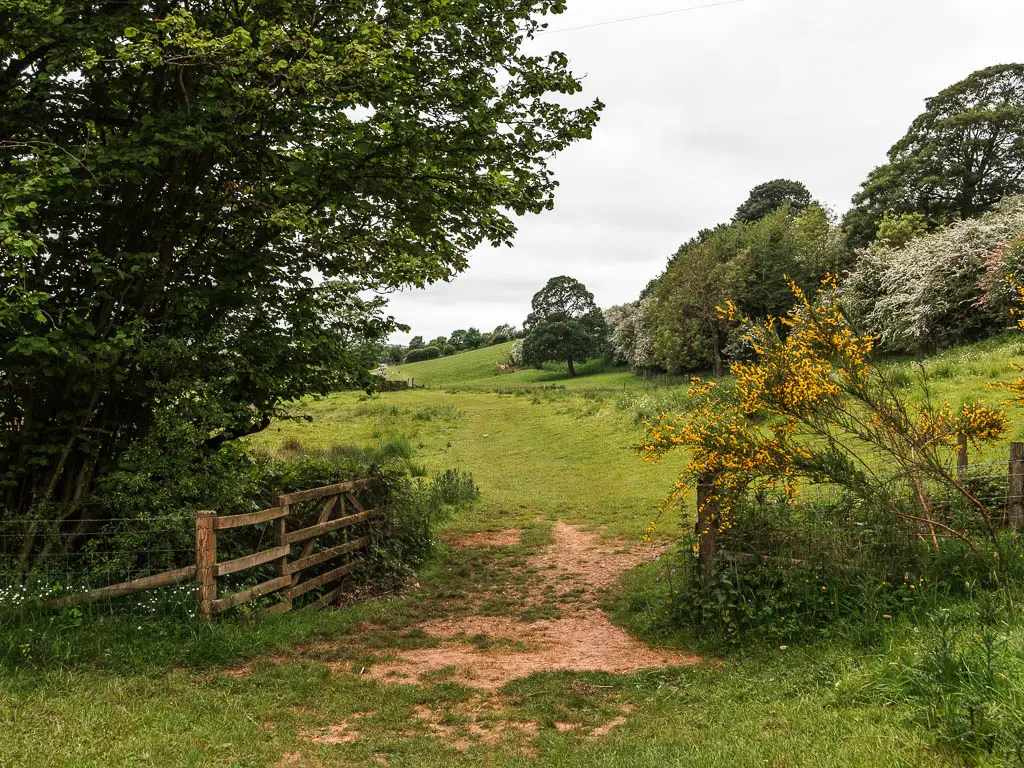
[342, 733]
[479, 727]
[506, 538]
[581, 640]
[606, 728]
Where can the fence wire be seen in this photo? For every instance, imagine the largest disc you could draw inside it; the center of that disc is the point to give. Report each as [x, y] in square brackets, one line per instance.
[45, 557]
[825, 523]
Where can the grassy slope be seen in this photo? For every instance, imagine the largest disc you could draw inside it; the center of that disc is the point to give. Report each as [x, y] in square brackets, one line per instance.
[478, 369]
[554, 456]
[156, 700]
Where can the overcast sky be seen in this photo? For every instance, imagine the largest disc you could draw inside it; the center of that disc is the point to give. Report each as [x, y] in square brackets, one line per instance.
[702, 106]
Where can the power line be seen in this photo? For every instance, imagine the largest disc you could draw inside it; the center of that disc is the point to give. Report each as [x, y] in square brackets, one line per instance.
[641, 18]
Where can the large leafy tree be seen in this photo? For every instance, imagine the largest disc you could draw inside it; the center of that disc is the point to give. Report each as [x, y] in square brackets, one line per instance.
[565, 324]
[194, 196]
[962, 155]
[752, 264]
[770, 196]
[689, 329]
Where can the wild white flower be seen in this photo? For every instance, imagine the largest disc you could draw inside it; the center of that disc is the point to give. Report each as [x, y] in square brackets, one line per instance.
[629, 333]
[939, 288]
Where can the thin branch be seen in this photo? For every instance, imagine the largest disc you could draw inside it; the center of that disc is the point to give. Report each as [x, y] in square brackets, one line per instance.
[943, 526]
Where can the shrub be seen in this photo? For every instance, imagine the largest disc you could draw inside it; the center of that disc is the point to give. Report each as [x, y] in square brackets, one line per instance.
[817, 381]
[514, 357]
[419, 505]
[419, 355]
[148, 503]
[896, 230]
[789, 573]
[943, 288]
[629, 334]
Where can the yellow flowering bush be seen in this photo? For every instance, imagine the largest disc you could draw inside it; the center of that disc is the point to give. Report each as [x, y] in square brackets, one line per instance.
[811, 406]
[1016, 387]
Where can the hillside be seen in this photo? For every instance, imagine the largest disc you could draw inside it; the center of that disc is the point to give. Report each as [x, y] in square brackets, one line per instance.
[478, 369]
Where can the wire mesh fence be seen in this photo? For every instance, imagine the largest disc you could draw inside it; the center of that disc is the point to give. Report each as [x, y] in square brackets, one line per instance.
[826, 523]
[47, 557]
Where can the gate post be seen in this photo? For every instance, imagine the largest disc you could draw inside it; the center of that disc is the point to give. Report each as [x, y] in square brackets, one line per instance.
[206, 562]
[961, 455]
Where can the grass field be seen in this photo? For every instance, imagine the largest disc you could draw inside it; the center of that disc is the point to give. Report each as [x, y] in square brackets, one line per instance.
[272, 693]
[477, 369]
[546, 455]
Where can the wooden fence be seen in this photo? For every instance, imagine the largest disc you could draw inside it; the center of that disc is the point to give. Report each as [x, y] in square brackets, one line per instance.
[342, 514]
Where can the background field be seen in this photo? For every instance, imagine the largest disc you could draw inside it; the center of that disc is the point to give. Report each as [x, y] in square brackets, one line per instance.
[477, 369]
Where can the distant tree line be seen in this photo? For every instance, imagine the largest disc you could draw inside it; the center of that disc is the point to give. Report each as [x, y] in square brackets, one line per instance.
[928, 255]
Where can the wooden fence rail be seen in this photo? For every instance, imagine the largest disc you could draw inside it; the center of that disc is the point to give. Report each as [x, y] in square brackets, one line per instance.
[341, 514]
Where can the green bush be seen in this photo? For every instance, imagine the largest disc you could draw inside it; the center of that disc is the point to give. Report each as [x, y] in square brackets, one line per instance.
[143, 512]
[790, 573]
[419, 506]
[419, 355]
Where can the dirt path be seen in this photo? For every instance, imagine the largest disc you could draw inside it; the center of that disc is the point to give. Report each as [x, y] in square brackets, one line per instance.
[489, 651]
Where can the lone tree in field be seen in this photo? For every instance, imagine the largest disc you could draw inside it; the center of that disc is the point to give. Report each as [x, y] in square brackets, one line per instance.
[770, 196]
[961, 156]
[565, 324]
[171, 175]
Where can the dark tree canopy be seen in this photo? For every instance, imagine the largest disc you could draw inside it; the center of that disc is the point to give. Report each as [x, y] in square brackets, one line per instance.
[752, 264]
[416, 342]
[473, 339]
[501, 334]
[770, 196]
[565, 324]
[458, 339]
[171, 175]
[962, 155]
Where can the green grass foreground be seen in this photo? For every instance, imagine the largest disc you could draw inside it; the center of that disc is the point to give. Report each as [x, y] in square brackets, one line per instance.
[105, 689]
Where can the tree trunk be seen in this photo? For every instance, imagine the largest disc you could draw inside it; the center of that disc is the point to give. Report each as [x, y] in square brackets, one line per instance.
[572, 370]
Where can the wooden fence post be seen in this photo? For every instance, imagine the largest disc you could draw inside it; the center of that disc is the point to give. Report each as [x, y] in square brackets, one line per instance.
[961, 455]
[280, 529]
[707, 527]
[1015, 488]
[206, 562]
